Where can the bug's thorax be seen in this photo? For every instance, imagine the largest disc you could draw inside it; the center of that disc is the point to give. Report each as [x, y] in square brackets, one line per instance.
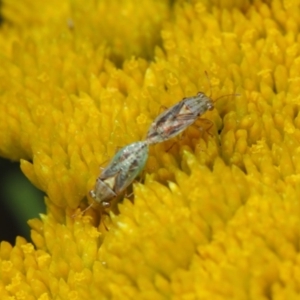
[178, 117]
[199, 104]
[110, 181]
[120, 172]
[103, 190]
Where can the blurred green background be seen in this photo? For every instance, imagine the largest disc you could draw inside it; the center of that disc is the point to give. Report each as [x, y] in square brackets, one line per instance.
[19, 199]
[19, 202]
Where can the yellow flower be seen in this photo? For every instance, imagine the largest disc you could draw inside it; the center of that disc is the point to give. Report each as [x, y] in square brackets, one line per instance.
[217, 217]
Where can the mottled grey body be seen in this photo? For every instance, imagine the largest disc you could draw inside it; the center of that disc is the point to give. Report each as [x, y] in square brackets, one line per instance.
[178, 117]
[120, 172]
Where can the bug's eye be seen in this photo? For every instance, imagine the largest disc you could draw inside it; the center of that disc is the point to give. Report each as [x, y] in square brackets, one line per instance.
[210, 106]
[92, 194]
[105, 204]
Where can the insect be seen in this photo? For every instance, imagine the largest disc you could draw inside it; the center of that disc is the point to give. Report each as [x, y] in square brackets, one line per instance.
[178, 117]
[119, 174]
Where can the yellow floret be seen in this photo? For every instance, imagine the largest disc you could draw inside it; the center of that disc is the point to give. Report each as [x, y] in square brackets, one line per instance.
[216, 214]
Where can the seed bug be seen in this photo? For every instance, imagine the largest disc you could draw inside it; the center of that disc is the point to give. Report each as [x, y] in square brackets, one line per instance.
[119, 174]
[178, 117]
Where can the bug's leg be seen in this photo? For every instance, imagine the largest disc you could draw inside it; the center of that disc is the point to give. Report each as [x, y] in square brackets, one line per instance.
[82, 212]
[180, 137]
[211, 124]
[129, 195]
[102, 220]
[162, 108]
[167, 150]
[141, 176]
[104, 213]
[103, 163]
[105, 205]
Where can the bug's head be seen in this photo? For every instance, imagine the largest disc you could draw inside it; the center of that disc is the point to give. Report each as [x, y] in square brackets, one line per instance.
[105, 204]
[92, 194]
[210, 105]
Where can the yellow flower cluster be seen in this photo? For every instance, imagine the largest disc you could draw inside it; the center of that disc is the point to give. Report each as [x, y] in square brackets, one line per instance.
[217, 217]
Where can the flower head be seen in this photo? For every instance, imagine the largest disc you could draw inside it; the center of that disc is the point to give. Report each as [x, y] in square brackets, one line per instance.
[217, 216]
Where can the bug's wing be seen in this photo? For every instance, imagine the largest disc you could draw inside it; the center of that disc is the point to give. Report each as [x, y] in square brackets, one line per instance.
[188, 117]
[109, 171]
[119, 161]
[131, 169]
[114, 166]
[169, 114]
[183, 119]
[164, 124]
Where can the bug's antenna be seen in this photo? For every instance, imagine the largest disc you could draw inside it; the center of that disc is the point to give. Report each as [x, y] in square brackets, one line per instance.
[208, 79]
[82, 212]
[237, 95]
